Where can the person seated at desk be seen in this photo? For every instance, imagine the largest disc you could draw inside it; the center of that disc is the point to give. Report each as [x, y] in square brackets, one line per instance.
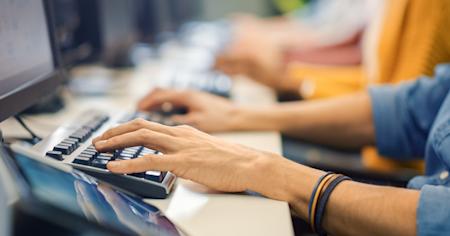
[407, 121]
[314, 34]
[405, 38]
[408, 39]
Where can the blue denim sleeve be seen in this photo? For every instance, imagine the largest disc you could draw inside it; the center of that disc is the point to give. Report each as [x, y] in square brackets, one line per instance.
[433, 213]
[403, 114]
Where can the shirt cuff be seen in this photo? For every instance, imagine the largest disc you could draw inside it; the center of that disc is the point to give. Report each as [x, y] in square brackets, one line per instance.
[385, 120]
[433, 213]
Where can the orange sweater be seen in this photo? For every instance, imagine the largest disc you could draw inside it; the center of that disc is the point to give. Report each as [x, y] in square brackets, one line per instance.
[414, 37]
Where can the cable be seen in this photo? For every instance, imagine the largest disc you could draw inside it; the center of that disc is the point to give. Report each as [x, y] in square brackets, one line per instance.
[35, 138]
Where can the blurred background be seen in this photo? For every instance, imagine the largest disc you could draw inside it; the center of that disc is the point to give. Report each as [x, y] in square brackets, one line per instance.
[299, 49]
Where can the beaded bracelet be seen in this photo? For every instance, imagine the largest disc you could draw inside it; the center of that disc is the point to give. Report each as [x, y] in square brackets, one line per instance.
[323, 202]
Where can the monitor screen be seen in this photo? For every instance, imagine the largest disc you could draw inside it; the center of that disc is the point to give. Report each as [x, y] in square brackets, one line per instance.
[27, 63]
[95, 30]
[25, 52]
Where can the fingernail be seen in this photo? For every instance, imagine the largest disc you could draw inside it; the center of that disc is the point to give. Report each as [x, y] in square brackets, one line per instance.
[95, 140]
[113, 164]
[100, 143]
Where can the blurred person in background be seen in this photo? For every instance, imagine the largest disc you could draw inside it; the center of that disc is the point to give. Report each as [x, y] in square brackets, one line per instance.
[401, 40]
[325, 32]
[405, 39]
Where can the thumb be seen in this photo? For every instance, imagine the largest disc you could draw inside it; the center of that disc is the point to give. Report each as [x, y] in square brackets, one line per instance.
[156, 99]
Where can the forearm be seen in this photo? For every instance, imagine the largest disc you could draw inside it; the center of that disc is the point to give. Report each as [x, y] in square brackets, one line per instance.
[341, 122]
[290, 34]
[362, 209]
[293, 34]
[353, 208]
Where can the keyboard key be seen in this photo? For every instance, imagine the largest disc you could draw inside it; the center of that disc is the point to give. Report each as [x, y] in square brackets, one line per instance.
[90, 156]
[72, 146]
[156, 176]
[146, 151]
[71, 140]
[99, 163]
[137, 148]
[62, 148]
[76, 136]
[82, 160]
[130, 156]
[55, 155]
[117, 153]
[89, 152]
[69, 146]
[139, 175]
[168, 122]
[91, 148]
[81, 134]
[75, 145]
[105, 156]
[92, 126]
[128, 152]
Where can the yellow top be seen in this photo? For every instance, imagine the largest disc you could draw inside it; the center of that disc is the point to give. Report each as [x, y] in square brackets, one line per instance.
[415, 36]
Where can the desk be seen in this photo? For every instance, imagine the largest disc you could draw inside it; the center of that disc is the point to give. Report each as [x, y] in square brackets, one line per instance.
[197, 210]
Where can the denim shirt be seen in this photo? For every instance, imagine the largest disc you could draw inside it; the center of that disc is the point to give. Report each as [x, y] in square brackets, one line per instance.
[412, 121]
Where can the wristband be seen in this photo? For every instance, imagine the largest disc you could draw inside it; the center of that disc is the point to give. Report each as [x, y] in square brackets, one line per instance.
[315, 196]
[314, 192]
[323, 202]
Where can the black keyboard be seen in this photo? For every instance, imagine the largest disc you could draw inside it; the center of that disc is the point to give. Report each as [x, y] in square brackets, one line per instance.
[72, 145]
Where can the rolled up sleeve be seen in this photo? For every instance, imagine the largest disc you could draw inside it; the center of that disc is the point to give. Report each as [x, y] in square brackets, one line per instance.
[403, 114]
[433, 213]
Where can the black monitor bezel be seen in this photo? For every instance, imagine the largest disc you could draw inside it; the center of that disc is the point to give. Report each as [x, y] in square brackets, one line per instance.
[27, 96]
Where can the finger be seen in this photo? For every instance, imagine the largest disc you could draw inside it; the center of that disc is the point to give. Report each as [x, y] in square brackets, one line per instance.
[150, 95]
[130, 127]
[184, 119]
[141, 164]
[230, 68]
[142, 137]
[156, 99]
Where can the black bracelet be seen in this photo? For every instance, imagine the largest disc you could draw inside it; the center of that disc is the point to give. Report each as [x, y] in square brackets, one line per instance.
[323, 202]
[314, 193]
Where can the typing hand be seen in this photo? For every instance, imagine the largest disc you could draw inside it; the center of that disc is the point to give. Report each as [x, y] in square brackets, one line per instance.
[190, 154]
[253, 53]
[266, 68]
[206, 112]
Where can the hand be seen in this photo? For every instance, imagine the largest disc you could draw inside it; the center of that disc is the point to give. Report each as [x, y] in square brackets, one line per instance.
[190, 154]
[206, 112]
[254, 53]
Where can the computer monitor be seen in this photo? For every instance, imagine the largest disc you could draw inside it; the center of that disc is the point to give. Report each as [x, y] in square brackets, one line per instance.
[28, 67]
[155, 17]
[95, 30]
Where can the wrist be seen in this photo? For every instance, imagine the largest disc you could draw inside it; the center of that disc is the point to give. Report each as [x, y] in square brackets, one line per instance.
[282, 179]
[245, 118]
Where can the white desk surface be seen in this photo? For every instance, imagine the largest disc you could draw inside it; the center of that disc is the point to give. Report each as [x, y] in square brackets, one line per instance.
[197, 210]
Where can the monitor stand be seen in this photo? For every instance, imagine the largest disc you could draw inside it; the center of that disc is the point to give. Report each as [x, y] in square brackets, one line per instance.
[50, 104]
